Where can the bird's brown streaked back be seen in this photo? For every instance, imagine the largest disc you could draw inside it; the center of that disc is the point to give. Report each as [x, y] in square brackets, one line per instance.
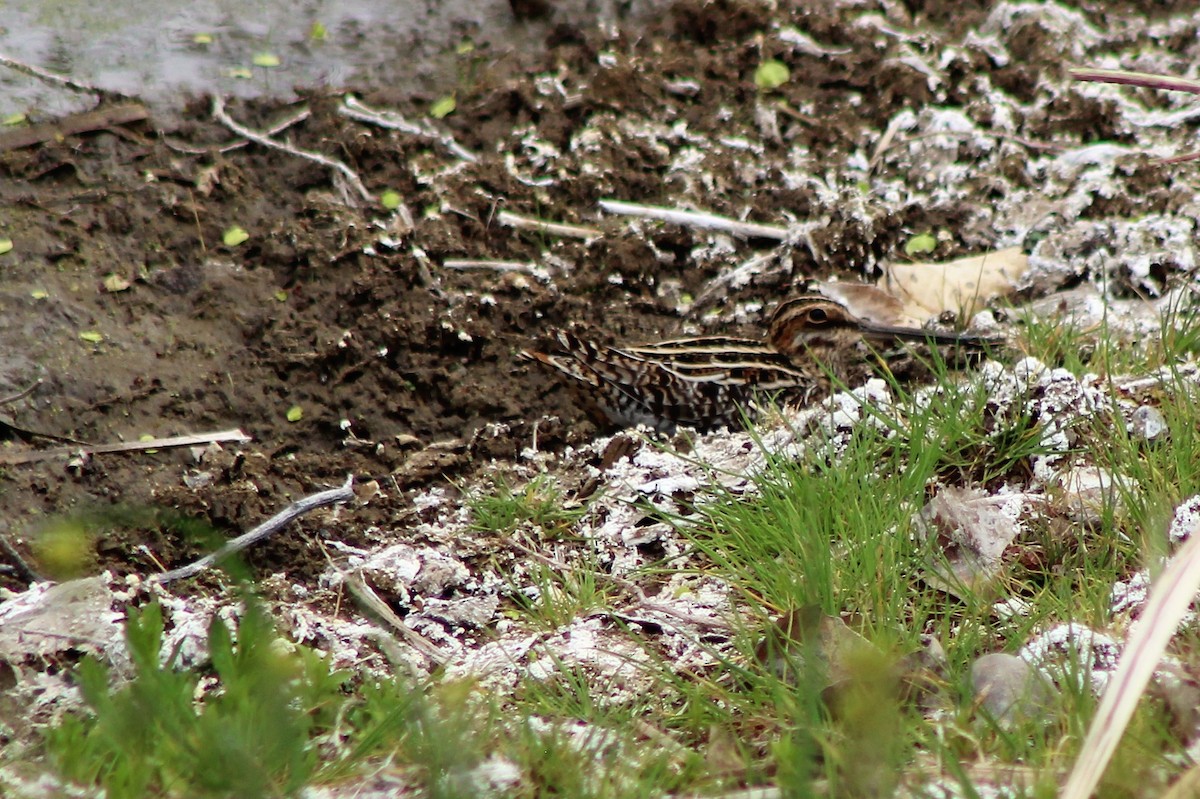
[696, 382]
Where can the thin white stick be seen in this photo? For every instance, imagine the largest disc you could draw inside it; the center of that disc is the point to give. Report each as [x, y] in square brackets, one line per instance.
[353, 108]
[696, 219]
[549, 228]
[345, 493]
[1145, 79]
[218, 110]
[1170, 597]
[190, 440]
[497, 266]
[52, 77]
[236, 144]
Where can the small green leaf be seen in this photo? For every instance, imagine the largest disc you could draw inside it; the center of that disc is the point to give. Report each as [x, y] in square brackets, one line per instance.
[14, 119]
[390, 199]
[281, 296]
[295, 413]
[443, 107]
[464, 47]
[202, 38]
[242, 73]
[771, 74]
[317, 32]
[5, 245]
[91, 336]
[267, 60]
[114, 282]
[234, 236]
[39, 294]
[921, 244]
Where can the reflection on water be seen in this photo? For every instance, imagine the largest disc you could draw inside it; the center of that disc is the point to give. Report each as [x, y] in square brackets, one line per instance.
[151, 49]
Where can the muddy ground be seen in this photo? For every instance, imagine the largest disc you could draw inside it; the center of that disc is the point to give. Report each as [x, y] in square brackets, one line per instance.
[406, 371]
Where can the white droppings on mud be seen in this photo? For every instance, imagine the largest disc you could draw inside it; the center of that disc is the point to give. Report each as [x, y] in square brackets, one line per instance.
[1128, 596]
[432, 498]
[48, 622]
[187, 620]
[1074, 651]
[1186, 521]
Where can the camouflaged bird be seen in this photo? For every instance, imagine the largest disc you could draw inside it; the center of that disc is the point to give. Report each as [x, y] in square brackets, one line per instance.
[711, 381]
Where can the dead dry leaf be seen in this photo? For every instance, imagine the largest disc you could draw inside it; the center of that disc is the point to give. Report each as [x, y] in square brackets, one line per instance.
[973, 530]
[963, 286]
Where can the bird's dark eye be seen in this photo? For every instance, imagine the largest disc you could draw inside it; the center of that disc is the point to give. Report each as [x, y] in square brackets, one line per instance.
[817, 315]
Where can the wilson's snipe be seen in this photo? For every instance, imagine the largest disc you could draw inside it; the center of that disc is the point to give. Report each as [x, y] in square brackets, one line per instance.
[711, 381]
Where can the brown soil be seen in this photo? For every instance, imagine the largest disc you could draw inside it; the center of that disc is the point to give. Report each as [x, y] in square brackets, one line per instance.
[406, 370]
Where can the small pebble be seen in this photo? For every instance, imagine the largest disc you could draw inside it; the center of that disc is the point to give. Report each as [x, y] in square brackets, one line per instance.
[1147, 422]
[1008, 688]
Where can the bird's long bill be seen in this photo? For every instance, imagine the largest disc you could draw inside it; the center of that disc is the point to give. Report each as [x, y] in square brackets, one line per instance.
[890, 333]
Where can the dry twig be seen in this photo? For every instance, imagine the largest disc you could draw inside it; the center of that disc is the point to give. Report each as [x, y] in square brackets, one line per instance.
[222, 116]
[22, 394]
[191, 440]
[110, 116]
[1146, 80]
[366, 595]
[54, 78]
[1170, 596]
[353, 108]
[296, 118]
[697, 219]
[495, 266]
[548, 228]
[344, 493]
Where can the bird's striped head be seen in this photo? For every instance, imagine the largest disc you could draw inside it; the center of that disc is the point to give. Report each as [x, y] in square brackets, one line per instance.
[814, 326]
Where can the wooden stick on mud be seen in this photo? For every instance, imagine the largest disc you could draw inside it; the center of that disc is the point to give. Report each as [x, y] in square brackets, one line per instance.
[54, 78]
[191, 440]
[371, 600]
[344, 493]
[22, 394]
[109, 116]
[279, 127]
[393, 120]
[697, 219]
[495, 266]
[549, 228]
[219, 113]
[1145, 79]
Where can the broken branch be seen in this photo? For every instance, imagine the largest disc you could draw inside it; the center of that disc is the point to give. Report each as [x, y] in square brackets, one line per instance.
[1145, 79]
[392, 120]
[549, 228]
[697, 219]
[219, 113]
[344, 493]
[14, 458]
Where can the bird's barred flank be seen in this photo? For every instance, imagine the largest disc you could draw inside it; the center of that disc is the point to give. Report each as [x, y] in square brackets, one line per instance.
[714, 381]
